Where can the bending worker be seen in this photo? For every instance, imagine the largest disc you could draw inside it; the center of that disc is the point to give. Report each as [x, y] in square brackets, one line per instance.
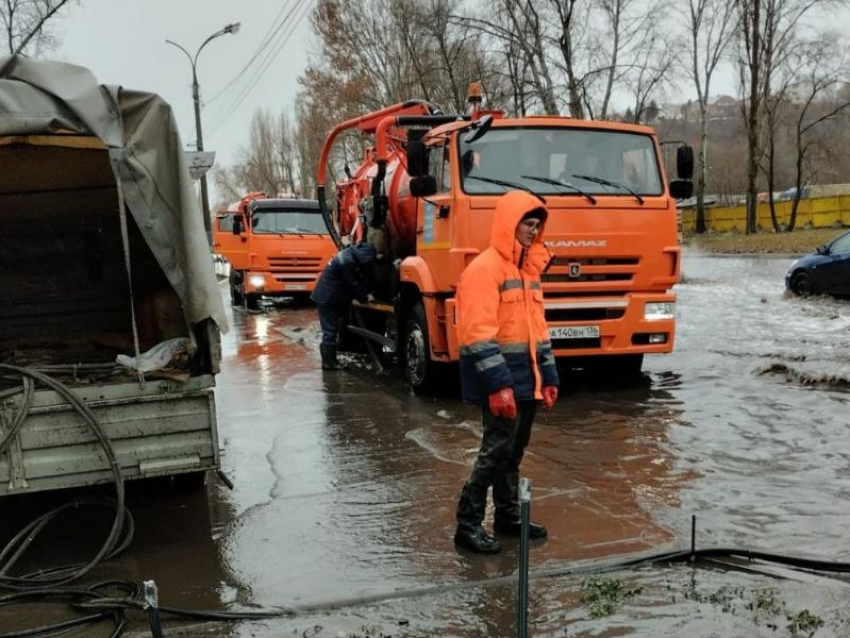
[342, 280]
[506, 364]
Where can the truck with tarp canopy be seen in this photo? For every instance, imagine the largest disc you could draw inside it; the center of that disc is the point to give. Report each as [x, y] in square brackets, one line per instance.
[109, 304]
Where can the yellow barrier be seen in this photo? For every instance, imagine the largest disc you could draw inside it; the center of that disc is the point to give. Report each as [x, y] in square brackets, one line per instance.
[822, 212]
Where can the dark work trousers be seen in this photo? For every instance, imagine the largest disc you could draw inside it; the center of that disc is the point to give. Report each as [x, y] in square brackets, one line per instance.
[330, 314]
[502, 447]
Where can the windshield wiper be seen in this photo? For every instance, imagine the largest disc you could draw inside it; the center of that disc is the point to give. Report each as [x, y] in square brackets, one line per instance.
[605, 182]
[506, 185]
[555, 182]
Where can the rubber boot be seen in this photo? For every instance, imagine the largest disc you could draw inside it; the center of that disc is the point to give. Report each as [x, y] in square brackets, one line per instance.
[506, 519]
[470, 534]
[329, 360]
[477, 540]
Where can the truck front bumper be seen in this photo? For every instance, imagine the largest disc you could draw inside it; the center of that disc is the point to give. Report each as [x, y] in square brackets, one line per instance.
[610, 325]
[276, 284]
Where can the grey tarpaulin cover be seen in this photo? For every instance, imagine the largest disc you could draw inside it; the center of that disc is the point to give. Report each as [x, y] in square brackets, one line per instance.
[138, 128]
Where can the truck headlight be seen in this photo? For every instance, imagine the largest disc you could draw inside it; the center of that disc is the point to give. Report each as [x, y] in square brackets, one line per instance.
[659, 310]
[257, 282]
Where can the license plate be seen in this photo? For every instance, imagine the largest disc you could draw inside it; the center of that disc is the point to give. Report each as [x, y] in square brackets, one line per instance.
[295, 287]
[574, 332]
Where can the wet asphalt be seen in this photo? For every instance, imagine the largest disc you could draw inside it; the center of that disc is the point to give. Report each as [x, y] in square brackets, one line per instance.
[345, 484]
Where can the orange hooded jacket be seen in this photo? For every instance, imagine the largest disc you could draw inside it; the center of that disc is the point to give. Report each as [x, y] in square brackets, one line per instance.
[504, 340]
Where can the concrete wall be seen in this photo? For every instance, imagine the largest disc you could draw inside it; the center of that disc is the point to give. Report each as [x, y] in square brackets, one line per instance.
[821, 212]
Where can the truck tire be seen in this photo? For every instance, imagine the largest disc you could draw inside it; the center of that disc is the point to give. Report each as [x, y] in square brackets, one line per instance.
[252, 301]
[609, 369]
[235, 279]
[624, 366]
[190, 481]
[420, 370]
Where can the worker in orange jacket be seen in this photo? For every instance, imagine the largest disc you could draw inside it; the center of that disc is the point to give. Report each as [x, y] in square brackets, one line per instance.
[506, 364]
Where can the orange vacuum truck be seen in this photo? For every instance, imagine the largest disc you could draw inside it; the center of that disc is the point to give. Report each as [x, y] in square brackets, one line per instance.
[275, 246]
[425, 195]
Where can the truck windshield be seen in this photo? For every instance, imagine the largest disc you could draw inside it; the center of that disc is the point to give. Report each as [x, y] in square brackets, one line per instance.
[586, 162]
[284, 222]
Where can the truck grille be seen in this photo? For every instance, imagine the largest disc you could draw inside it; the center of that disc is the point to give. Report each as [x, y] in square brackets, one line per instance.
[576, 344]
[592, 269]
[584, 314]
[295, 265]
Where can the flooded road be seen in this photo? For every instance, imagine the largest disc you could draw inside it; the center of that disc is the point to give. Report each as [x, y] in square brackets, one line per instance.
[346, 483]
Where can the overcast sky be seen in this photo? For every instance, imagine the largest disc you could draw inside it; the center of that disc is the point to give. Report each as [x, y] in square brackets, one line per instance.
[123, 42]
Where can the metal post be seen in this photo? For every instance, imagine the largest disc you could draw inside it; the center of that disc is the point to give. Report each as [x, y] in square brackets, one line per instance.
[152, 608]
[693, 537]
[199, 136]
[524, 517]
[196, 98]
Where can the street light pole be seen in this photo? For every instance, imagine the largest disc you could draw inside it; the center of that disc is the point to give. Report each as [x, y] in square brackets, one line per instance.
[196, 98]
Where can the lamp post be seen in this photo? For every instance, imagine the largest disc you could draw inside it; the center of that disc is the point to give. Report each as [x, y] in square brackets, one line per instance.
[196, 97]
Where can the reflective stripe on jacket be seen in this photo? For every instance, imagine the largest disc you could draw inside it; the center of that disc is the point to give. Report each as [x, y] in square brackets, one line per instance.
[504, 340]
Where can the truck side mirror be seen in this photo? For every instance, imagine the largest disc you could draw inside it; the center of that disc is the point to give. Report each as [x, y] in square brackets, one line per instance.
[237, 225]
[423, 186]
[685, 162]
[681, 189]
[478, 128]
[417, 153]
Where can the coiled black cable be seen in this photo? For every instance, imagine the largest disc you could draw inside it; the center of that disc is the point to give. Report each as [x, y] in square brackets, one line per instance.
[114, 542]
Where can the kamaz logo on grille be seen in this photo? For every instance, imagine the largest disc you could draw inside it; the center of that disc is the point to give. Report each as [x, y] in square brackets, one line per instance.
[575, 270]
[577, 243]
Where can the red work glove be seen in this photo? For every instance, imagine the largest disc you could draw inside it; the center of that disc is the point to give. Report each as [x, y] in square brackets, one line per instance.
[550, 395]
[502, 403]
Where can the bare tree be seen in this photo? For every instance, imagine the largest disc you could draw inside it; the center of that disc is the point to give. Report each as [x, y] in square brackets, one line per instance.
[651, 70]
[767, 30]
[518, 24]
[822, 65]
[270, 163]
[776, 108]
[710, 27]
[25, 25]
[228, 186]
[569, 37]
[457, 58]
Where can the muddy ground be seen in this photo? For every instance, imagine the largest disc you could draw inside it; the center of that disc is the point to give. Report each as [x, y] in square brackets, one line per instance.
[345, 485]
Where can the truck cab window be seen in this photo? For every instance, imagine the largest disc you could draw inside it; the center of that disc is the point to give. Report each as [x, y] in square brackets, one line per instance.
[271, 221]
[569, 155]
[435, 166]
[446, 182]
[225, 223]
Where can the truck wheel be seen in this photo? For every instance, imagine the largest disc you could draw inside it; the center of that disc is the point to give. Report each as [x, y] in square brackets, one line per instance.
[252, 301]
[235, 288]
[419, 370]
[625, 366]
[189, 482]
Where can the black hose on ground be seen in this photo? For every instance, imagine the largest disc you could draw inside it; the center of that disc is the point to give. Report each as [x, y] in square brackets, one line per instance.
[114, 543]
[76, 598]
[100, 606]
[370, 346]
